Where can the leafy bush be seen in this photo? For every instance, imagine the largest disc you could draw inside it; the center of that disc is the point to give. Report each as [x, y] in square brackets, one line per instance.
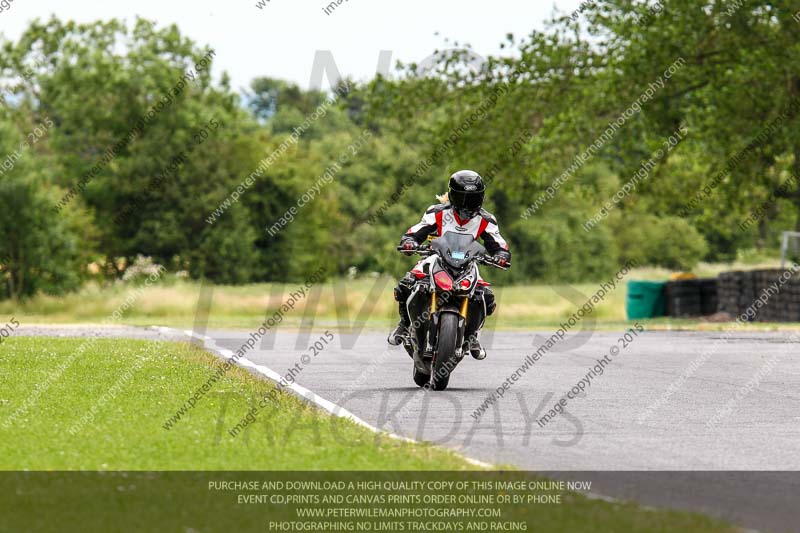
[670, 242]
[42, 250]
[141, 269]
[556, 248]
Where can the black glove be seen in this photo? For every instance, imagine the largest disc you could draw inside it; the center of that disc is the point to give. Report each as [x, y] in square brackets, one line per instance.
[409, 245]
[502, 258]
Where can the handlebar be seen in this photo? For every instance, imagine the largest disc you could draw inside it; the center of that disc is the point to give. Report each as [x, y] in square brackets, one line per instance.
[422, 250]
[425, 251]
[489, 260]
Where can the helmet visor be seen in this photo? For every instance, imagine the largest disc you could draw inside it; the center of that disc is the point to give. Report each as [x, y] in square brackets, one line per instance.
[466, 199]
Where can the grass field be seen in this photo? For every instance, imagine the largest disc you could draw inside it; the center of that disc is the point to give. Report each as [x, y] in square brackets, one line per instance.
[339, 304]
[118, 395]
[126, 431]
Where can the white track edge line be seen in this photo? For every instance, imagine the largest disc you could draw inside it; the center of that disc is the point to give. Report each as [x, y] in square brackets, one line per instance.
[339, 411]
[336, 410]
[304, 393]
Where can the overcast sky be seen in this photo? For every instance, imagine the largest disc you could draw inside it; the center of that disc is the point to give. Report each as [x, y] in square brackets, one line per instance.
[280, 40]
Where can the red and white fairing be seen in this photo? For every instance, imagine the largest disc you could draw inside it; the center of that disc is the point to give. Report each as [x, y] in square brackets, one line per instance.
[439, 219]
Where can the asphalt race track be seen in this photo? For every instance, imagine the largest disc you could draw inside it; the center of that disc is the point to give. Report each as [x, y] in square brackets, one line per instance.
[694, 406]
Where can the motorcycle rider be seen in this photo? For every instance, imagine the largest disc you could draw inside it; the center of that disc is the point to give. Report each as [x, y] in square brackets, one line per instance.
[461, 212]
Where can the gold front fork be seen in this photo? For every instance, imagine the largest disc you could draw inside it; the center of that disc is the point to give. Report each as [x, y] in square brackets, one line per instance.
[464, 306]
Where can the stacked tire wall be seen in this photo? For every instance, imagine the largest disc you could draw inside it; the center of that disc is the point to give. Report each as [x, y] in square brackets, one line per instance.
[780, 301]
[691, 297]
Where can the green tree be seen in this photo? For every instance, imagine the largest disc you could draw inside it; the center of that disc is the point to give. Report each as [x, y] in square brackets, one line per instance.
[181, 143]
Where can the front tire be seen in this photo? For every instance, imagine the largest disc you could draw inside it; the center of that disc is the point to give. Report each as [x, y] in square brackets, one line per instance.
[421, 379]
[444, 360]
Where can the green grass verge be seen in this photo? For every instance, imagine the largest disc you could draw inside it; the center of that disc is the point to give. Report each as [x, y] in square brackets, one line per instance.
[124, 432]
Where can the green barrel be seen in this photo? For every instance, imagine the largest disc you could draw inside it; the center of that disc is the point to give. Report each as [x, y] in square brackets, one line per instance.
[645, 299]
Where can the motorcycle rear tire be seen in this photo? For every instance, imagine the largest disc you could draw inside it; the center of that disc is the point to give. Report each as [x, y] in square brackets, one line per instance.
[444, 360]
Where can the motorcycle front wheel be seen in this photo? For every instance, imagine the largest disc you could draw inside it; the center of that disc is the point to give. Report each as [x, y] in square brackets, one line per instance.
[420, 378]
[444, 360]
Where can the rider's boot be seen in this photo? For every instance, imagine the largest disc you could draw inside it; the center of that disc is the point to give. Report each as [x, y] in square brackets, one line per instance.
[473, 344]
[400, 333]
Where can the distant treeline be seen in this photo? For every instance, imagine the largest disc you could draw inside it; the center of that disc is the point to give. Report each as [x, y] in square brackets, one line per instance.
[109, 155]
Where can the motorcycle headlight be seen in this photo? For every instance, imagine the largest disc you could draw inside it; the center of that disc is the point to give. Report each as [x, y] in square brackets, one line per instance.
[443, 280]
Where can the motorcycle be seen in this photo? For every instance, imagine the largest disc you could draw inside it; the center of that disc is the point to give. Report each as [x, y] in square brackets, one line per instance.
[439, 305]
